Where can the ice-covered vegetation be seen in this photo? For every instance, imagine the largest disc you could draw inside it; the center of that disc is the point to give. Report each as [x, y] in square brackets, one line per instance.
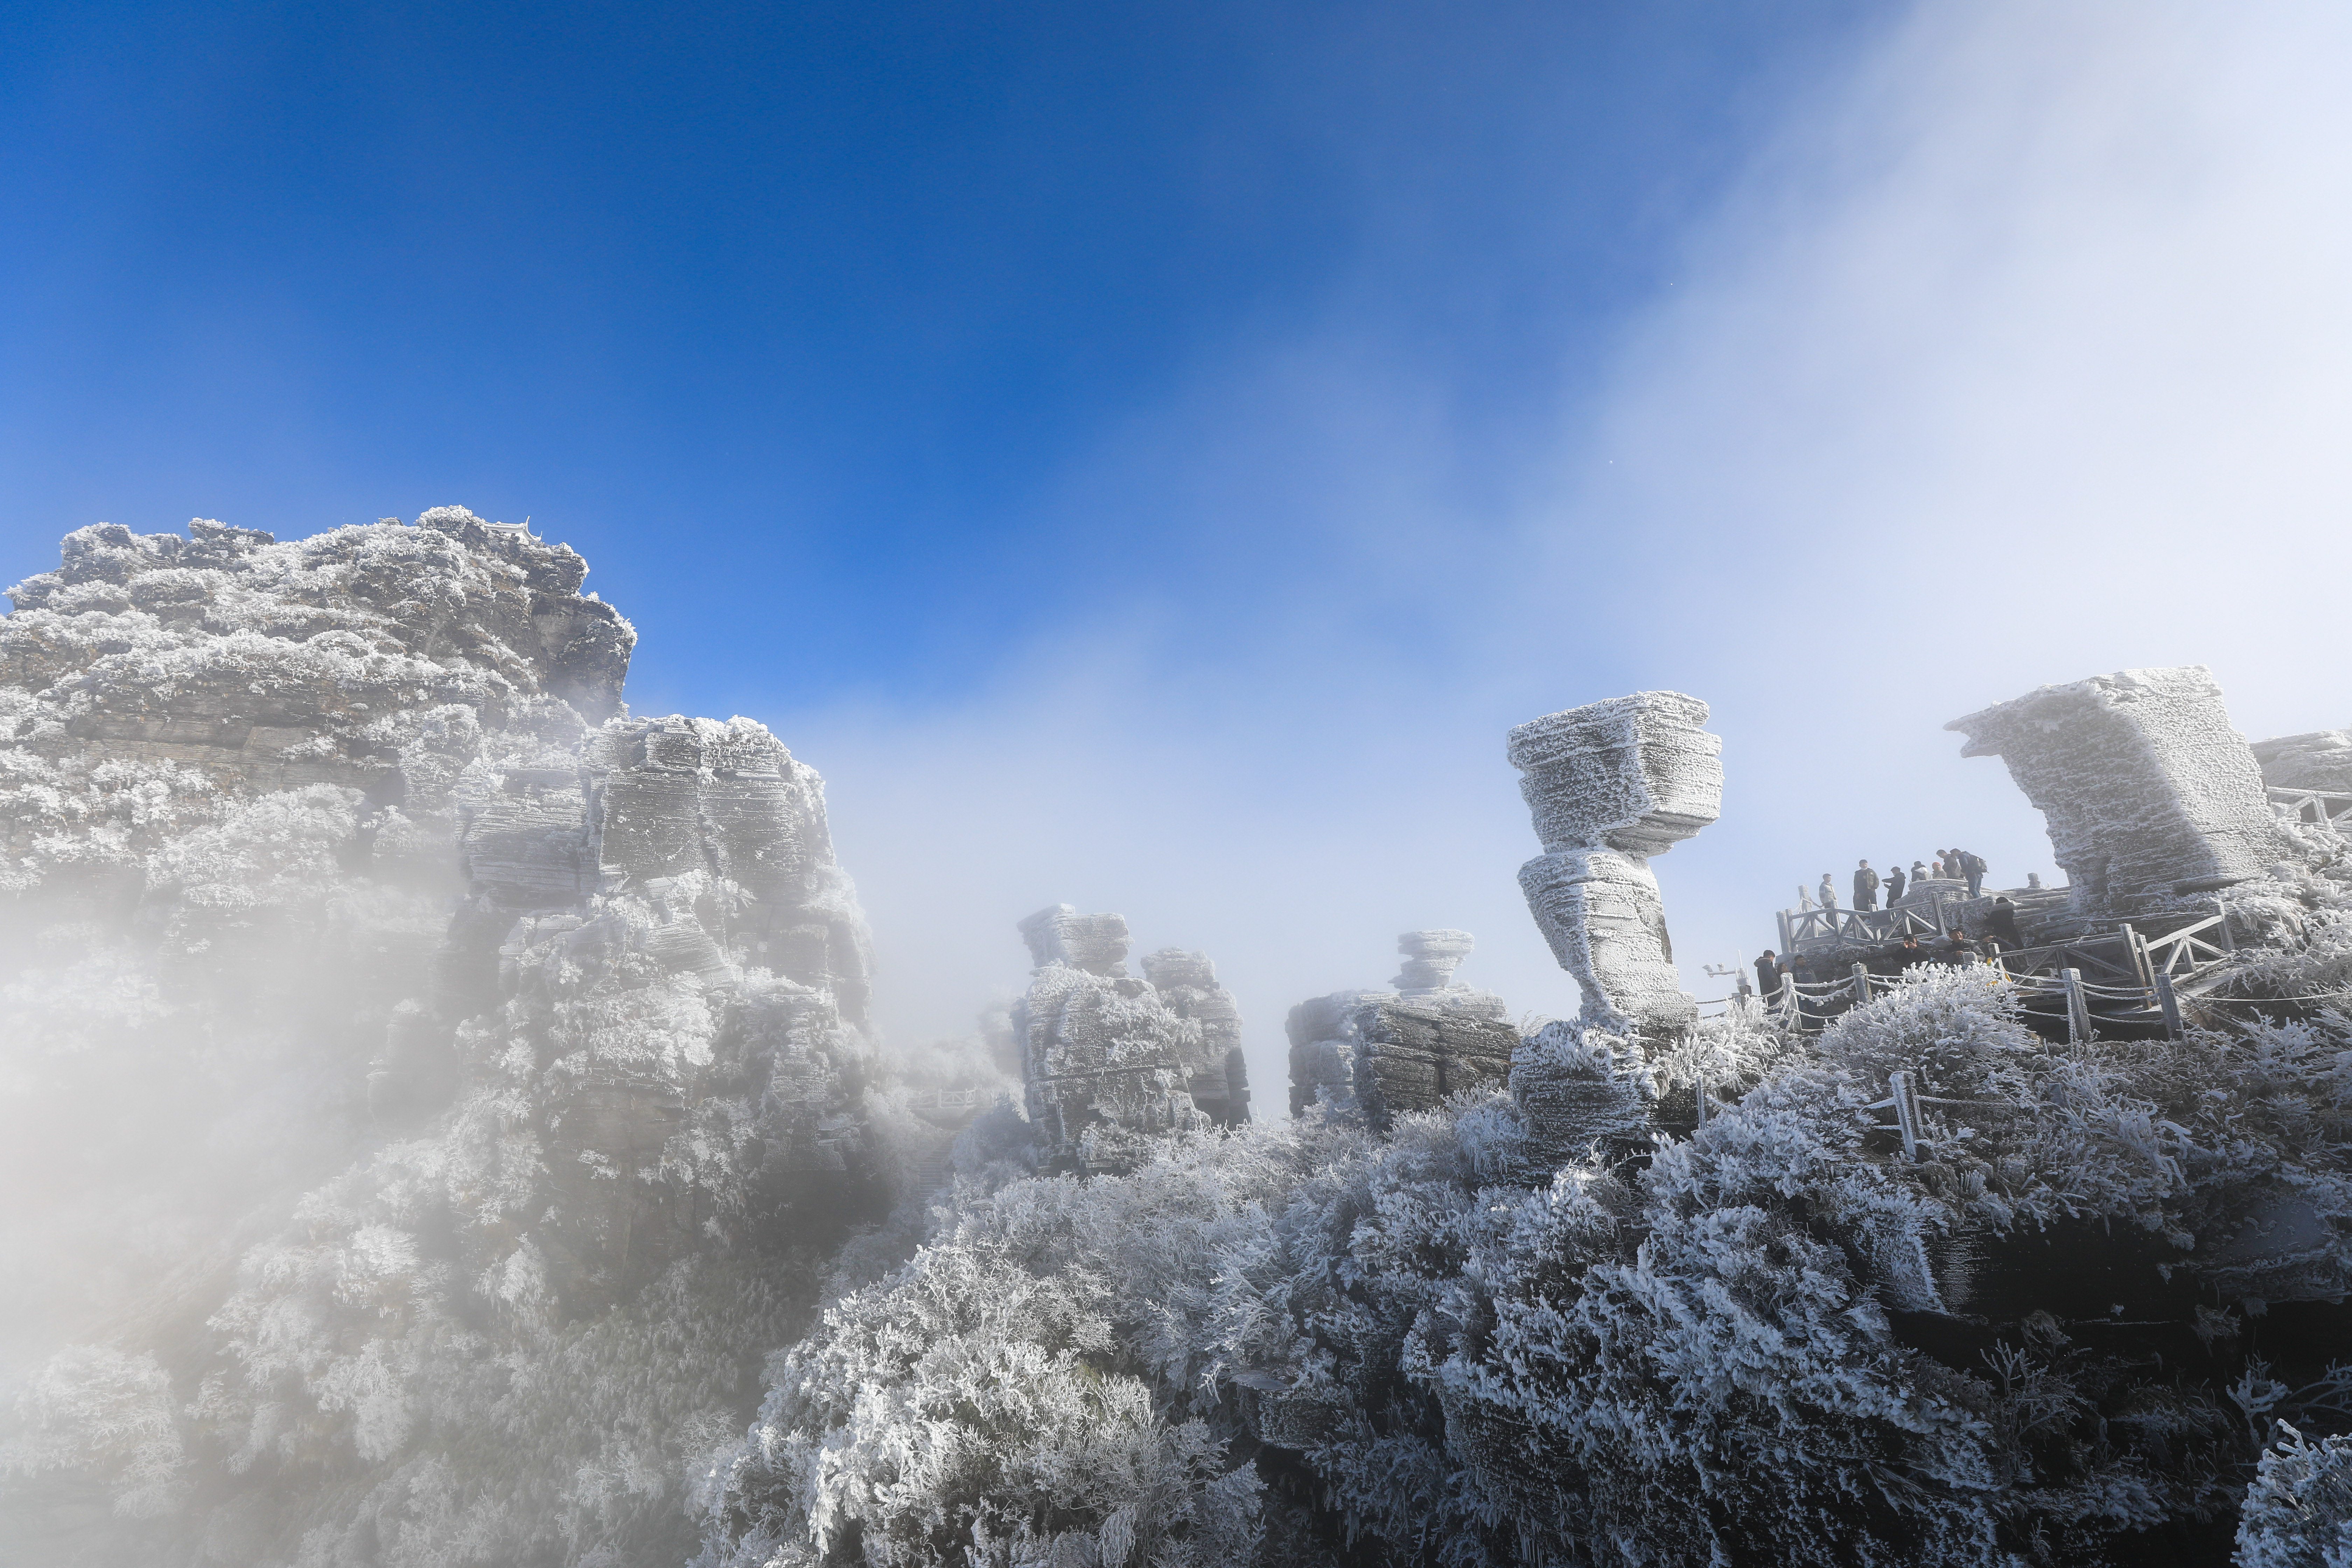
[1771, 1342]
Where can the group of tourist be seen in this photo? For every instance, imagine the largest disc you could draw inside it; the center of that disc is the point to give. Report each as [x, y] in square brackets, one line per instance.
[1951, 864]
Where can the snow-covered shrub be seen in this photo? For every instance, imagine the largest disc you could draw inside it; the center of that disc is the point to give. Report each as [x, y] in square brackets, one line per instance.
[968, 1412]
[2299, 1511]
[98, 1411]
[1958, 1031]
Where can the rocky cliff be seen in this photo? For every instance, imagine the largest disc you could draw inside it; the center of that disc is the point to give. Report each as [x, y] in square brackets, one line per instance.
[347, 900]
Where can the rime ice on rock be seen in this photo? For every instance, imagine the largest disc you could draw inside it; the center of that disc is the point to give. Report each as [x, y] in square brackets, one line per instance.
[1105, 1061]
[2319, 761]
[2148, 791]
[1431, 957]
[653, 958]
[1609, 786]
[1187, 982]
[1095, 944]
[1376, 1053]
[1575, 1096]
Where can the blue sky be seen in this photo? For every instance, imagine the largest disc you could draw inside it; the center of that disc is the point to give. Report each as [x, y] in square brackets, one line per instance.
[1146, 455]
[815, 302]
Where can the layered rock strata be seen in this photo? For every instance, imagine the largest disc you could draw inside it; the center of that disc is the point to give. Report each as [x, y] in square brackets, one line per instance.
[2148, 793]
[1431, 957]
[1219, 1081]
[1106, 1063]
[1374, 1054]
[1610, 785]
[2321, 760]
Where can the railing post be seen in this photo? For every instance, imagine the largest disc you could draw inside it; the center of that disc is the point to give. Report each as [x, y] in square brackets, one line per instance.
[1861, 984]
[1700, 1089]
[1907, 1112]
[2229, 943]
[2170, 1004]
[2137, 946]
[2078, 1007]
[1788, 943]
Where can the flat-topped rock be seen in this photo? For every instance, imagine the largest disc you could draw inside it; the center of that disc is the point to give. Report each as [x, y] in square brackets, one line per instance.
[1096, 943]
[2321, 760]
[1106, 1062]
[2148, 792]
[1219, 1077]
[1637, 774]
[1374, 1054]
[1431, 957]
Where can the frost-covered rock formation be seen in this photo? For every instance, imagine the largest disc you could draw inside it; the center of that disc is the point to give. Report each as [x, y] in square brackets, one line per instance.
[2150, 793]
[1610, 785]
[1187, 982]
[522, 1042]
[2321, 760]
[1431, 957]
[1373, 1054]
[1105, 1061]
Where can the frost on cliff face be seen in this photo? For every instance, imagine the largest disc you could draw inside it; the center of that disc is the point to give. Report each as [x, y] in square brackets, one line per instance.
[444, 1067]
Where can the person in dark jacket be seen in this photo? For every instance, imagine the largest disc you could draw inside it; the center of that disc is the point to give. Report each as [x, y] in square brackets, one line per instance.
[1910, 955]
[2001, 926]
[1894, 885]
[1866, 888]
[1958, 948]
[1767, 975]
[1973, 867]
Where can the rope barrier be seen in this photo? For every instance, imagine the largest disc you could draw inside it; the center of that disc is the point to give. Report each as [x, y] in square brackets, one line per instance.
[2306, 996]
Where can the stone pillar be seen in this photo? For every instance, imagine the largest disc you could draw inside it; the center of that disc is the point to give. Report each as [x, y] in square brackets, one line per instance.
[1374, 1054]
[1187, 982]
[1431, 957]
[1096, 943]
[1106, 1063]
[2148, 793]
[1610, 785]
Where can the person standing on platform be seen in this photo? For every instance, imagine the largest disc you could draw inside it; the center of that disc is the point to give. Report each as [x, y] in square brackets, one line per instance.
[2002, 926]
[1826, 894]
[1894, 884]
[1918, 870]
[1767, 976]
[1973, 866]
[1866, 888]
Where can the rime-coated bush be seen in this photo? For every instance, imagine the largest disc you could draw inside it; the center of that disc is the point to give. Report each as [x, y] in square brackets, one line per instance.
[970, 1411]
[1472, 1356]
[2299, 1511]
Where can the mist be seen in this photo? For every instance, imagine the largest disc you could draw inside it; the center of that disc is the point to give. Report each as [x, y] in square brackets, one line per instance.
[2015, 356]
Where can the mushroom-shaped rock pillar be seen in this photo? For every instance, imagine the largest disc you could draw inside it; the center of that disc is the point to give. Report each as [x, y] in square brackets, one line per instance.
[1610, 785]
[1059, 934]
[1431, 957]
[2148, 791]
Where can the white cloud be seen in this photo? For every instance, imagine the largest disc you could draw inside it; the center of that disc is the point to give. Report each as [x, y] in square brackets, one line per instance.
[2021, 353]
